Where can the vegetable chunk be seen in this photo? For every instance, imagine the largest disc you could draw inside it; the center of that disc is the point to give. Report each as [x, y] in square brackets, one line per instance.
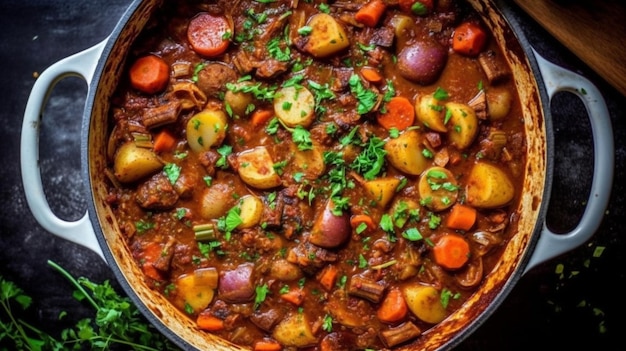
[256, 168]
[327, 36]
[425, 303]
[488, 186]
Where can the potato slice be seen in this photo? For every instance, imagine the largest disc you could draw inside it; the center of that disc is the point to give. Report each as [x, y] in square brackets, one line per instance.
[308, 162]
[294, 106]
[133, 163]
[438, 188]
[488, 186]
[197, 289]
[256, 168]
[294, 331]
[327, 36]
[251, 211]
[382, 190]
[425, 303]
[430, 112]
[462, 126]
[206, 129]
[405, 153]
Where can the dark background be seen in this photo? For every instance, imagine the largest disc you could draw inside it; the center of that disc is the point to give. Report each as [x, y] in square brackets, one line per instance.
[545, 310]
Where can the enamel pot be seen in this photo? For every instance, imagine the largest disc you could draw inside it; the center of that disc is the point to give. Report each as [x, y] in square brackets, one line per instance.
[537, 81]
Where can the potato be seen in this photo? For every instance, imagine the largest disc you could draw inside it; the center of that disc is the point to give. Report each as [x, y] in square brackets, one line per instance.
[499, 103]
[294, 331]
[382, 190]
[462, 126]
[422, 61]
[251, 211]
[401, 210]
[430, 112]
[284, 270]
[216, 201]
[438, 188]
[327, 36]
[295, 106]
[238, 100]
[206, 129]
[405, 153]
[197, 289]
[488, 186]
[133, 163]
[256, 168]
[330, 231]
[308, 162]
[403, 28]
[425, 303]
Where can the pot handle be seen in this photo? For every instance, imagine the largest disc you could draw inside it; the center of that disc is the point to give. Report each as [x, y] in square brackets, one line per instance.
[83, 65]
[558, 79]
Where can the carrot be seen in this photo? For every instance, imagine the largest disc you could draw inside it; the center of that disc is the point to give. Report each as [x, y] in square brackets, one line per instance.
[260, 117]
[417, 7]
[164, 141]
[267, 345]
[328, 277]
[393, 308]
[149, 74]
[371, 13]
[148, 256]
[371, 75]
[295, 297]
[206, 321]
[468, 39]
[461, 217]
[356, 220]
[209, 34]
[400, 114]
[451, 251]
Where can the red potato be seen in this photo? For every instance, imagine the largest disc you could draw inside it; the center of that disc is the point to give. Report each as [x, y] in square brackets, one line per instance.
[329, 230]
[422, 62]
[237, 285]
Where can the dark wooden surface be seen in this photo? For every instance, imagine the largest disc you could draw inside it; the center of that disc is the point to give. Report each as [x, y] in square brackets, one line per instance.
[544, 311]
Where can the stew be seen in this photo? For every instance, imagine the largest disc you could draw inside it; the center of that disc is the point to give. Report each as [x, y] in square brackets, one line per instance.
[316, 175]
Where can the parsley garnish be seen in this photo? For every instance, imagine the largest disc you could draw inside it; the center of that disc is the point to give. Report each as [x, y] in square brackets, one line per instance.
[370, 161]
[367, 99]
[172, 172]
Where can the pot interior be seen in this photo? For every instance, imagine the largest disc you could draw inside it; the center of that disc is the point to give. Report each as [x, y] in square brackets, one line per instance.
[180, 328]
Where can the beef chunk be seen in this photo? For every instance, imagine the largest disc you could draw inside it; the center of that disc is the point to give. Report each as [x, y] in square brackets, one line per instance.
[157, 193]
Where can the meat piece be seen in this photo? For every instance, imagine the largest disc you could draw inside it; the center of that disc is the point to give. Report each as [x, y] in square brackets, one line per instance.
[185, 183]
[272, 215]
[243, 62]
[434, 139]
[494, 67]
[157, 193]
[161, 115]
[341, 78]
[163, 263]
[310, 257]
[266, 320]
[213, 78]
[271, 68]
[319, 134]
[208, 160]
[383, 36]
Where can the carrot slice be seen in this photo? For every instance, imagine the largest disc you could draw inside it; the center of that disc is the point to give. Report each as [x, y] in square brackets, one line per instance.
[295, 296]
[371, 13]
[164, 141]
[371, 75]
[356, 220]
[260, 117]
[208, 34]
[328, 277]
[451, 251]
[469, 39]
[206, 321]
[149, 74]
[267, 345]
[400, 114]
[393, 308]
[461, 217]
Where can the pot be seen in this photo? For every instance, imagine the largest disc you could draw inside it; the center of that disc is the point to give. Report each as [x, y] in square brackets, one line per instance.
[537, 80]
